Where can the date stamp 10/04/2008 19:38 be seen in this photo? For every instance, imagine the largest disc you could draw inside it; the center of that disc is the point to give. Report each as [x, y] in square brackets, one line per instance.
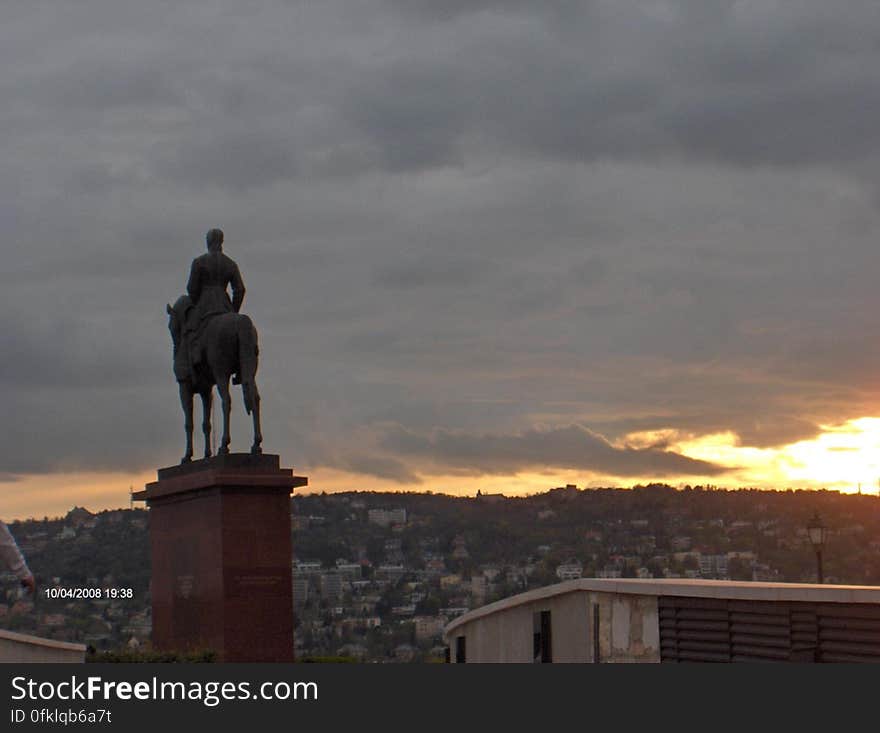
[59, 592]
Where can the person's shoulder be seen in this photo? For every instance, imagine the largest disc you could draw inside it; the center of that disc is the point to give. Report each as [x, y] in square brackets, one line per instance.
[200, 259]
[227, 260]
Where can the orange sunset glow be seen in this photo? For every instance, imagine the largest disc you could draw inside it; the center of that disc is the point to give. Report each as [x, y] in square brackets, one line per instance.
[842, 457]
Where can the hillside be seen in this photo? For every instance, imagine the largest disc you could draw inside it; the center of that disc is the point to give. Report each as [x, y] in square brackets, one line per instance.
[377, 575]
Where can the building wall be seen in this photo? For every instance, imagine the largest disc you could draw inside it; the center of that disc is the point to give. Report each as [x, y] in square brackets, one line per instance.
[829, 622]
[23, 648]
[628, 629]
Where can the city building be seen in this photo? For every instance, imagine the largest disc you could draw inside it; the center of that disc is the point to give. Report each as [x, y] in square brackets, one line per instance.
[300, 589]
[713, 566]
[386, 517]
[332, 586]
[570, 570]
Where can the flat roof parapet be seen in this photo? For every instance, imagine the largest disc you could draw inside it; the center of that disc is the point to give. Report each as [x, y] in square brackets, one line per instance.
[692, 588]
[15, 647]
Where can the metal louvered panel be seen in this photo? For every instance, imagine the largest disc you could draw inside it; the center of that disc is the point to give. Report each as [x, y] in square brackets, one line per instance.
[721, 630]
[849, 610]
[744, 627]
[804, 634]
[851, 648]
[698, 631]
[686, 655]
[854, 635]
[849, 624]
[849, 632]
[760, 632]
[761, 652]
[718, 630]
[758, 640]
[846, 658]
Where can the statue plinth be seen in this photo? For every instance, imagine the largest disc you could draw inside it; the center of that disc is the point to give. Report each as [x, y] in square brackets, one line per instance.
[220, 548]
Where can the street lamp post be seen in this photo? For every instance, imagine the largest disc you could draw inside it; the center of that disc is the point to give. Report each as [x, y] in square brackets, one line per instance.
[817, 532]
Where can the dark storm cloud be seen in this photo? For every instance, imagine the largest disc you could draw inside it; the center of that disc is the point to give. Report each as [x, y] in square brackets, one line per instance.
[433, 270]
[83, 88]
[746, 83]
[386, 468]
[453, 8]
[572, 447]
[467, 218]
[87, 429]
[66, 352]
[233, 161]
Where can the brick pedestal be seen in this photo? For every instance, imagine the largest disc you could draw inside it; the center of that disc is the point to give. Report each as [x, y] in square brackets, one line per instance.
[221, 557]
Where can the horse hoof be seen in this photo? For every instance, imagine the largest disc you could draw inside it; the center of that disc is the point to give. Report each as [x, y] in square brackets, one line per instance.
[186, 459]
[223, 452]
[256, 450]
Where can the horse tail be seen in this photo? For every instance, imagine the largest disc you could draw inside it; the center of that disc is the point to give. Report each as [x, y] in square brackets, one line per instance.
[248, 352]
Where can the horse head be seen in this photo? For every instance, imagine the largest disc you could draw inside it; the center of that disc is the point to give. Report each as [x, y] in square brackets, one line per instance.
[177, 318]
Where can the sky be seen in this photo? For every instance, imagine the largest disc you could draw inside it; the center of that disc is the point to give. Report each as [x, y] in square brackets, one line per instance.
[488, 245]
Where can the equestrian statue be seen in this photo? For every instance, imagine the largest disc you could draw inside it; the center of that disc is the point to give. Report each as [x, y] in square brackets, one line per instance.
[213, 342]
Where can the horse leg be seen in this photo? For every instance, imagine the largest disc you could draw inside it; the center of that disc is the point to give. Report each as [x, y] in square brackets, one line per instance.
[186, 402]
[255, 409]
[223, 389]
[248, 352]
[207, 399]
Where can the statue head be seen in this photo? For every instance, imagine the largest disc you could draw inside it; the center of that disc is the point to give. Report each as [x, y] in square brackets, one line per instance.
[214, 240]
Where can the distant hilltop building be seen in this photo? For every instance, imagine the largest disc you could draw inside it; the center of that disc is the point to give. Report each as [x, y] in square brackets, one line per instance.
[565, 493]
[387, 517]
[490, 498]
[78, 516]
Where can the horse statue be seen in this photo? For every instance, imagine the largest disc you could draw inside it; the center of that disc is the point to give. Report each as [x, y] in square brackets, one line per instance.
[227, 347]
